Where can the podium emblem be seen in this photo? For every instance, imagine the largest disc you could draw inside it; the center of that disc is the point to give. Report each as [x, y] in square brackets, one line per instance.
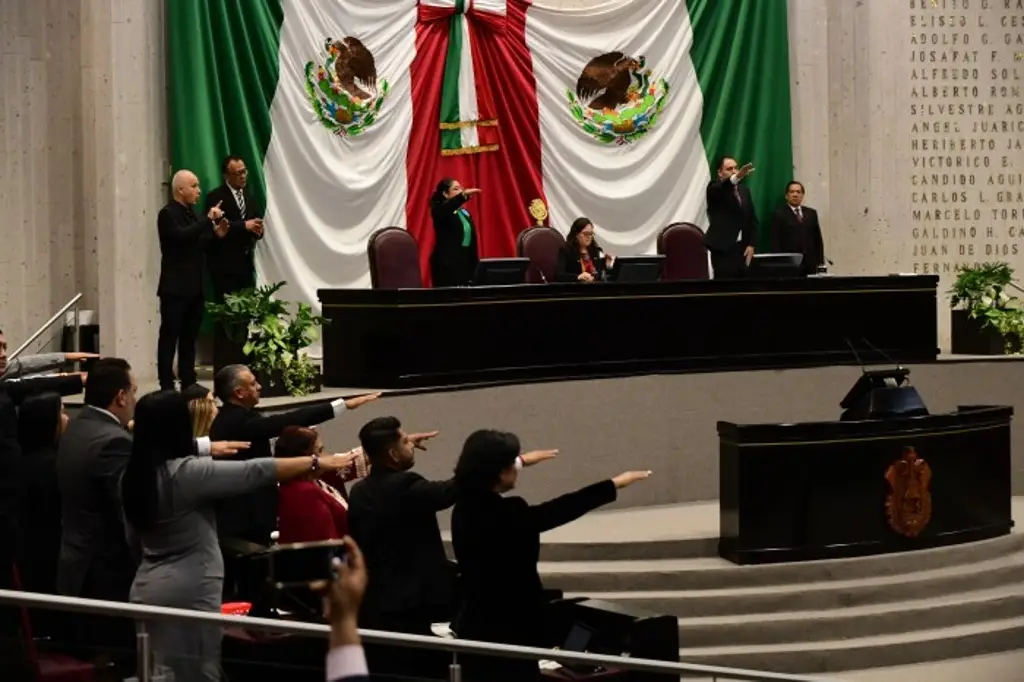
[908, 505]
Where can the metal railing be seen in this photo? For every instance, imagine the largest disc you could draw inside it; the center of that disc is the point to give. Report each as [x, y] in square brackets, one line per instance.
[455, 647]
[49, 323]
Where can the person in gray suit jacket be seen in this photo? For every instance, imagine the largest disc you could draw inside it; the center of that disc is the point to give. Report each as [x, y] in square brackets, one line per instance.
[170, 499]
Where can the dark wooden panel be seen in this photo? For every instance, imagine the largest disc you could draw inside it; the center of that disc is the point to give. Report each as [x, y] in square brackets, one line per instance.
[418, 337]
[812, 491]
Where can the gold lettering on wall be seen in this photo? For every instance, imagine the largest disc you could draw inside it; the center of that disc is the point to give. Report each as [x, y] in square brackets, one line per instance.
[965, 127]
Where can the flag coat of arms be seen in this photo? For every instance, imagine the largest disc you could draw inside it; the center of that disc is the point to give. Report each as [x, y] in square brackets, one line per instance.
[350, 112]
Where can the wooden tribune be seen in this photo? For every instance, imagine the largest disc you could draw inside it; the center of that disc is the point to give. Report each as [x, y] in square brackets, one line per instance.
[792, 492]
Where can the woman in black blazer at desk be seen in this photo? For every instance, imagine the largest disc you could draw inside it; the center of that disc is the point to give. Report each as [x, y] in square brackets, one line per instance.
[582, 260]
[497, 544]
[454, 258]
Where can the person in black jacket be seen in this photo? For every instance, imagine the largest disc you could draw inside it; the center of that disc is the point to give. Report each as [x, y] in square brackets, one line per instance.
[733, 221]
[393, 517]
[14, 392]
[582, 259]
[795, 229]
[497, 544]
[183, 238]
[230, 260]
[455, 255]
[253, 517]
[41, 421]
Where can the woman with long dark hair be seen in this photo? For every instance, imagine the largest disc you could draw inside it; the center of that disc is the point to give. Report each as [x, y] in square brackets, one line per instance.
[497, 544]
[582, 259]
[41, 422]
[455, 255]
[169, 498]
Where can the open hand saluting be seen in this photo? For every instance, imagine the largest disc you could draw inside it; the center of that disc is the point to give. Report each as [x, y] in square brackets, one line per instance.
[360, 400]
[537, 456]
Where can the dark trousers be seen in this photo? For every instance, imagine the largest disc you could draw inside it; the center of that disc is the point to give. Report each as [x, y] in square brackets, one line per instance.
[226, 350]
[729, 264]
[391, 663]
[180, 319]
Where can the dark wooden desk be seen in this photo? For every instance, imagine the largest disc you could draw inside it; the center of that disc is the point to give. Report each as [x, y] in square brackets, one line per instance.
[792, 492]
[440, 337]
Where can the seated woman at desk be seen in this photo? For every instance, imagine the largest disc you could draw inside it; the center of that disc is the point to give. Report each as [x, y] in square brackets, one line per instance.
[314, 507]
[582, 260]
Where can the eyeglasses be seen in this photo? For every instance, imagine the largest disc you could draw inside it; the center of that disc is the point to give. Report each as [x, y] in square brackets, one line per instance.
[587, 234]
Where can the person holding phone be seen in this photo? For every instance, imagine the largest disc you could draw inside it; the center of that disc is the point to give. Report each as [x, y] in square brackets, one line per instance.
[497, 544]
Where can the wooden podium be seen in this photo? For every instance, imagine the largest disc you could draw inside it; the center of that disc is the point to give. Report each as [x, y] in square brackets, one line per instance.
[794, 492]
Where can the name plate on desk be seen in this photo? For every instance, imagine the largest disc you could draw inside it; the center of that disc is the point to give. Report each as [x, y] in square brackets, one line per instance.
[792, 492]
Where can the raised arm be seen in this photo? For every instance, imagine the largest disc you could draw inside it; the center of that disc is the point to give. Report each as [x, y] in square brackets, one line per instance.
[433, 495]
[562, 510]
[34, 364]
[271, 426]
[64, 384]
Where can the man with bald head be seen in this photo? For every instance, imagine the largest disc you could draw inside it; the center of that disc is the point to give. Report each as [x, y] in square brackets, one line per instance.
[183, 240]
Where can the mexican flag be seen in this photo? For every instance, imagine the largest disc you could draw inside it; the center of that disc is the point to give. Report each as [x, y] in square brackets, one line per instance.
[349, 112]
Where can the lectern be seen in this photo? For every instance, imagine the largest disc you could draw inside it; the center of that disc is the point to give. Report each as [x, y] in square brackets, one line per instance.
[792, 492]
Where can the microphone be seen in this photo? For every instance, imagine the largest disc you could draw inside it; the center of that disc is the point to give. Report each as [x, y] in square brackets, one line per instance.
[856, 357]
[880, 352]
[541, 273]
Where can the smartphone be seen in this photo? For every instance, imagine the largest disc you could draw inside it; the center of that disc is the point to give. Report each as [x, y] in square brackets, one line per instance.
[297, 565]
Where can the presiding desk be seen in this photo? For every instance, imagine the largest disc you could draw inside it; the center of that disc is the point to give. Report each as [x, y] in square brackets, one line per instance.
[793, 492]
[407, 338]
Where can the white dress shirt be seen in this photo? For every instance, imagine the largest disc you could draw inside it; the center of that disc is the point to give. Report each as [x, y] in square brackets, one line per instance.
[347, 661]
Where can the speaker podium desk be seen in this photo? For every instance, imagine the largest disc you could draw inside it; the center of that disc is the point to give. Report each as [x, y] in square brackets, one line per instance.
[795, 492]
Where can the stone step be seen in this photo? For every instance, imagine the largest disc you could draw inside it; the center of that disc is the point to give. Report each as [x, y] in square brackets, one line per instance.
[690, 574]
[680, 594]
[853, 622]
[833, 656]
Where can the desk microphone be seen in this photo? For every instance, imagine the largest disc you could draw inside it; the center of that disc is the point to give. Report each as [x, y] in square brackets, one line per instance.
[880, 352]
[541, 273]
[856, 357]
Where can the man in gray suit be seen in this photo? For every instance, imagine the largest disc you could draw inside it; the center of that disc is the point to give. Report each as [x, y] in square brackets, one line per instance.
[95, 560]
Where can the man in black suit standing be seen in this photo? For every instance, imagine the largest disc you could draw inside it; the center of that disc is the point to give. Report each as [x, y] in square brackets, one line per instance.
[733, 230]
[230, 259]
[795, 229]
[183, 238]
[393, 517]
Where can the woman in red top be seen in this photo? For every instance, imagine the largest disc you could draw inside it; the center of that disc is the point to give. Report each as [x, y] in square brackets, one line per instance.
[314, 507]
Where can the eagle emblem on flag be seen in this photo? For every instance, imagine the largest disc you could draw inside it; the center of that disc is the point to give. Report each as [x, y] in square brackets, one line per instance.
[617, 99]
[343, 88]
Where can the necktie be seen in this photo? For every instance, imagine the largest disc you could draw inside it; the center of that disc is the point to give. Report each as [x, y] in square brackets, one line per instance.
[736, 191]
[799, 214]
[240, 200]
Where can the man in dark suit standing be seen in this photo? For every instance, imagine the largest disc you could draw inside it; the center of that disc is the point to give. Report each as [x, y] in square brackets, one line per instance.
[733, 221]
[230, 259]
[183, 238]
[95, 561]
[795, 229]
[393, 516]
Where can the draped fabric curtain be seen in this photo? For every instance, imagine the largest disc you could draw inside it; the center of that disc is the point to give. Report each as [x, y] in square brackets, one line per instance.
[502, 156]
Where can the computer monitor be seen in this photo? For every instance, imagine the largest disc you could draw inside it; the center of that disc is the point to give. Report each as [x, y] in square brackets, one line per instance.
[501, 271]
[637, 268]
[776, 265]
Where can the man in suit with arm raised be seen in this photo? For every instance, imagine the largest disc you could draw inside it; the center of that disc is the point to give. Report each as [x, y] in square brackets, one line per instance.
[733, 222]
[230, 260]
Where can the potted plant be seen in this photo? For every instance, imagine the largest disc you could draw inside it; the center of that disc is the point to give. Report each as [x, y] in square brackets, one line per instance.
[986, 319]
[274, 338]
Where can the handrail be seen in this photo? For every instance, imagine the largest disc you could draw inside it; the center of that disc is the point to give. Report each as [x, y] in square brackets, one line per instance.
[456, 646]
[47, 325]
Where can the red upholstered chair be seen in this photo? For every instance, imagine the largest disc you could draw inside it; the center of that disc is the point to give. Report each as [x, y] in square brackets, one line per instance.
[686, 257]
[541, 245]
[394, 259]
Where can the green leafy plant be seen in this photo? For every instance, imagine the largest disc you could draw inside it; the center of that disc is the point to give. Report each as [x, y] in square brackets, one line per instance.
[982, 291]
[273, 337]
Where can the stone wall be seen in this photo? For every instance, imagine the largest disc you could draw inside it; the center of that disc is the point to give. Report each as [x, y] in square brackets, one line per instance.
[82, 161]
